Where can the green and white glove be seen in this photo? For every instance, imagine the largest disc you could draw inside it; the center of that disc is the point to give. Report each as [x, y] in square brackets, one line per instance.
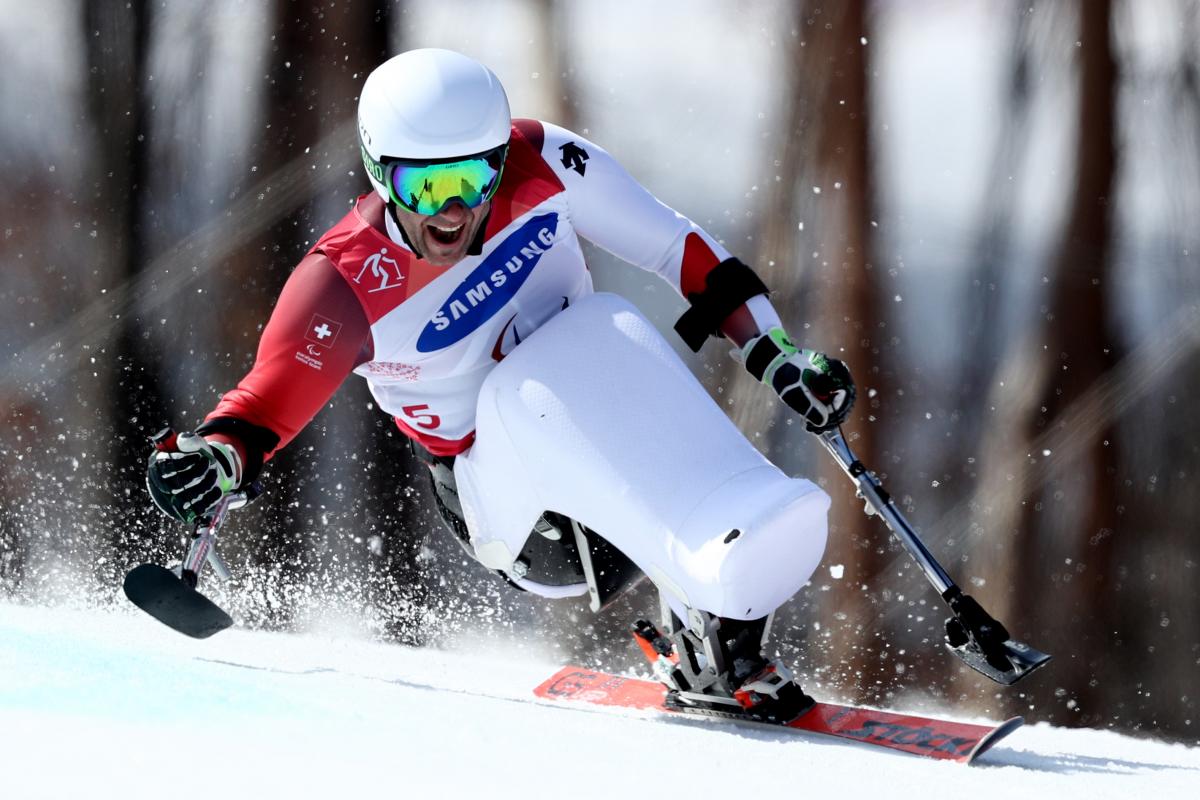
[818, 387]
[189, 476]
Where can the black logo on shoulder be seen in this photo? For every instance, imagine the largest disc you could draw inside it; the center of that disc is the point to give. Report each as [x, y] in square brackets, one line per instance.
[573, 157]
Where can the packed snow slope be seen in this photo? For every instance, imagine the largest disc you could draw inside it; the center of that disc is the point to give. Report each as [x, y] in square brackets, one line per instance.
[102, 704]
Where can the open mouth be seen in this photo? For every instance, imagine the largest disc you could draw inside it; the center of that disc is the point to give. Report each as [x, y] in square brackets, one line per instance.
[446, 235]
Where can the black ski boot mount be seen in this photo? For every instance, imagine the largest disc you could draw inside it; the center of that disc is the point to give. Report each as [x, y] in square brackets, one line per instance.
[715, 666]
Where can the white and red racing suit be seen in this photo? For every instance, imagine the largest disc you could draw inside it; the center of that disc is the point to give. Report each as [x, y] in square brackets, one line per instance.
[425, 337]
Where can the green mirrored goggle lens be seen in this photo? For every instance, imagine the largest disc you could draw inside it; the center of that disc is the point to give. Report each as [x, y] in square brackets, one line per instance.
[425, 188]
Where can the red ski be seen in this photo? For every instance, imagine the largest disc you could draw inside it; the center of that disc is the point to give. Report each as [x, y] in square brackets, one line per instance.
[922, 736]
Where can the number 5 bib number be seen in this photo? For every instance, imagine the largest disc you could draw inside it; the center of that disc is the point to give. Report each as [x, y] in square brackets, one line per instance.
[422, 417]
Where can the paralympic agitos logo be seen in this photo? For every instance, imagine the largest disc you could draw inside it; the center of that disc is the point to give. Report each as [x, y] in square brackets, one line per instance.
[491, 285]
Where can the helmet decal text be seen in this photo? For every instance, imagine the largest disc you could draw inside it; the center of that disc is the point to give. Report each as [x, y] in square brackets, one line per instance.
[373, 167]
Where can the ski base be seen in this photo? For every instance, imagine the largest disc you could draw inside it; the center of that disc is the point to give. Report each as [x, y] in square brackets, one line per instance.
[169, 599]
[922, 736]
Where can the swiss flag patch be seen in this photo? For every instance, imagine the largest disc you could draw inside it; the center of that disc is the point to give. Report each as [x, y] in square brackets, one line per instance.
[322, 331]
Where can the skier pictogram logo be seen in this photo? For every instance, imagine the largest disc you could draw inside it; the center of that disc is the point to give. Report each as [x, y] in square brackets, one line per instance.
[389, 276]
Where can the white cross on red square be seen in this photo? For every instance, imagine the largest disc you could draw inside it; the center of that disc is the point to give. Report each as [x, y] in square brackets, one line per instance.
[323, 331]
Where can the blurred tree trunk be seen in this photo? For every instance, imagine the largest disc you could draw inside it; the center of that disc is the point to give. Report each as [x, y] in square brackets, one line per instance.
[984, 333]
[117, 44]
[1166, 549]
[19, 489]
[1080, 349]
[554, 18]
[983, 299]
[851, 325]
[247, 286]
[1057, 547]
[754, 408]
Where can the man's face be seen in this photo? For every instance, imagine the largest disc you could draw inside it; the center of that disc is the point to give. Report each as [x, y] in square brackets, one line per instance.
[443, 238]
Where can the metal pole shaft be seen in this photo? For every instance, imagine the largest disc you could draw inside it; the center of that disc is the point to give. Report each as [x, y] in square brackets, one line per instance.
[871, 490]
[202, 550]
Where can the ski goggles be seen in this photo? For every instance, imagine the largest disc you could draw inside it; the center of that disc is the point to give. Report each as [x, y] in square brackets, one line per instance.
[424, 187]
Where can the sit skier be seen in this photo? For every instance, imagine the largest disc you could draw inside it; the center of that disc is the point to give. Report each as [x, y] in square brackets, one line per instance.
[402, 291]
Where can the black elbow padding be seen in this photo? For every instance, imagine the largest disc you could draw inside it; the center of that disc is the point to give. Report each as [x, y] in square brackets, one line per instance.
[726, 287]
[257, 440]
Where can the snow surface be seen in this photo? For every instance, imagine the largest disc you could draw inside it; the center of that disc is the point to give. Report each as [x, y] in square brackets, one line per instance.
[111, 704]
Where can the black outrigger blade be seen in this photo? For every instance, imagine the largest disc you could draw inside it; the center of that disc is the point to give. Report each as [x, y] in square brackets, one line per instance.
[971, 634]
[984, 644]
[170, 596]
[174, 601]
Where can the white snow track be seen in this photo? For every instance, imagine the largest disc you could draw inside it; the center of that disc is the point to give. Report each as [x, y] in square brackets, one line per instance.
[100, 704]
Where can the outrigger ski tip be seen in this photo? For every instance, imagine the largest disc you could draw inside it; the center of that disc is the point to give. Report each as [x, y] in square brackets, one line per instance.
[1015, 662]
[984, 644]
[971, 634]
[174, 602]
[171, 597]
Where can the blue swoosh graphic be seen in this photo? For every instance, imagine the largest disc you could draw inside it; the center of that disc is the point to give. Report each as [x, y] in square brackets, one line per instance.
[490, 285]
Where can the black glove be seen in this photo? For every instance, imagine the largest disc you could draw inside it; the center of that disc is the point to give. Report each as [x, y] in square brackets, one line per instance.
[818, 387]
[187, 479]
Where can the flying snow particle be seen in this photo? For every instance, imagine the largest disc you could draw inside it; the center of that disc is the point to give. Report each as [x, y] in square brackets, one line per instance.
[836, 571]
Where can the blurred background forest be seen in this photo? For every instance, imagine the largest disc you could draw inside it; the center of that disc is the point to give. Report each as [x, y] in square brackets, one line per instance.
[989, 209]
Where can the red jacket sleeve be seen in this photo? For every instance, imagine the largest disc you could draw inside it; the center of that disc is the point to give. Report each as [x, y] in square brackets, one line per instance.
[317, 334]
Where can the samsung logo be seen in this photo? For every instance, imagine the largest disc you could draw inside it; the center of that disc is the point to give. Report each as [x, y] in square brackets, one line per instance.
[491, 285]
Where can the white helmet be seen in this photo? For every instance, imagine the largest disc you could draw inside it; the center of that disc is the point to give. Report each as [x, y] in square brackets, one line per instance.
[429, 104]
